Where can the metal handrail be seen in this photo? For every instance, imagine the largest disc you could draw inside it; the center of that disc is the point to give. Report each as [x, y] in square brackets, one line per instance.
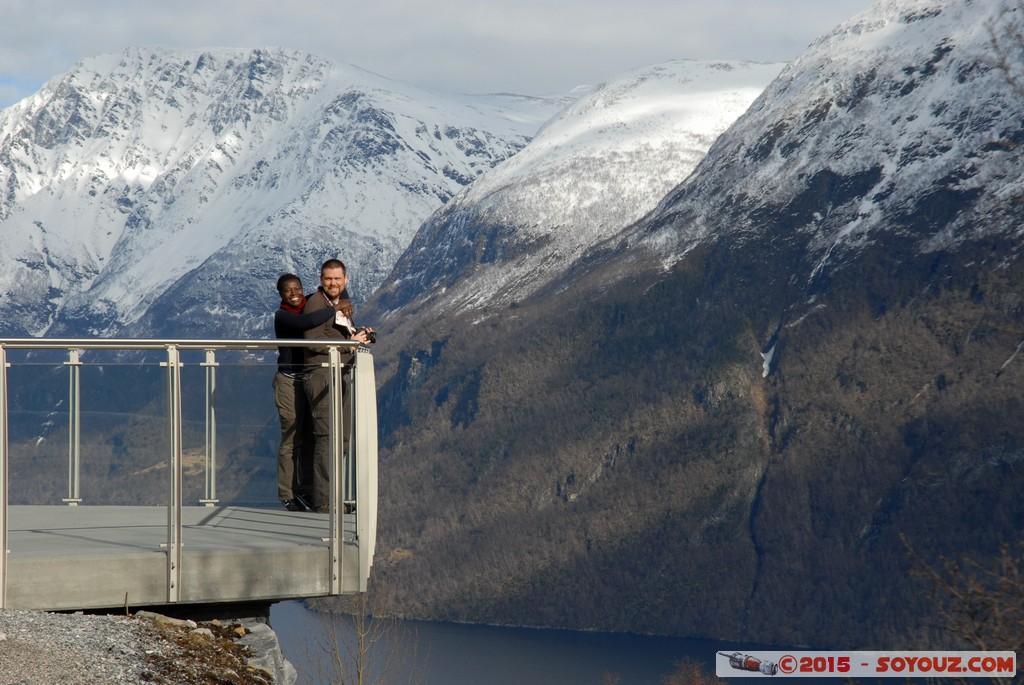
[131, 344]
[363, 458]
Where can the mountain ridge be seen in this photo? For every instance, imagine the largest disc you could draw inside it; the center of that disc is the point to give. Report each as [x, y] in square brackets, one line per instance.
[944, 60]
[222, 150]
[589, 172]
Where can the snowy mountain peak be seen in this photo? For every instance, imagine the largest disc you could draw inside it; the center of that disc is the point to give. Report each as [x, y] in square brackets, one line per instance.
[894, 124]
[129, 176]
[597, 167]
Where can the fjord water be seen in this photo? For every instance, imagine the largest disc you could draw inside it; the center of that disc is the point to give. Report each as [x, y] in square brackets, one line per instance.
[457, 654]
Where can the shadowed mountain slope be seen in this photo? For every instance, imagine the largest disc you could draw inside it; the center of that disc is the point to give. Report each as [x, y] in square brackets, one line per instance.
[721, 420]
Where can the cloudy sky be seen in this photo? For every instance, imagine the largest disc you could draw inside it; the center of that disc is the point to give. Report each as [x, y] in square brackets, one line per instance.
[467, 46]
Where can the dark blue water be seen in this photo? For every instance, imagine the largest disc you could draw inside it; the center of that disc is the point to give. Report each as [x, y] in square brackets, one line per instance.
[456, 654]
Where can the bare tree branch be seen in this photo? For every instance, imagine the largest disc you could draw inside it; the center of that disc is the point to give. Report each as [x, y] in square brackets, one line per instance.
[1006, 36]
[350, 645]
[980, 605]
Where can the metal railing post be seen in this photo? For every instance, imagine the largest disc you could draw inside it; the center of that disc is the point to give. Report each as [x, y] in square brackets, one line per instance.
[348, 419]
[3, 477]
[74, 364]
[337, 487]
[211, 429]
[174, 468]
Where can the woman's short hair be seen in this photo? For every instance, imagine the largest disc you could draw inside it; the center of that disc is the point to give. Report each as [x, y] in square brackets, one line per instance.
[284, 279]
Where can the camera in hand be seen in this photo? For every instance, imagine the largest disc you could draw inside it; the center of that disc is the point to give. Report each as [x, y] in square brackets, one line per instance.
[371, 336]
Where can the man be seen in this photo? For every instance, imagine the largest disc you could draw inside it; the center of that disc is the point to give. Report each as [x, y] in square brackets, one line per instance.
[333, 283]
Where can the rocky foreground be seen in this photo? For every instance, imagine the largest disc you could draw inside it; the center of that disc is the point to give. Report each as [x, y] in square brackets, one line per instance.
[38, 648]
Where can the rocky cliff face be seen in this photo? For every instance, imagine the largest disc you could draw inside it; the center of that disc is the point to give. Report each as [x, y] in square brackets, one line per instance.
[725, 420]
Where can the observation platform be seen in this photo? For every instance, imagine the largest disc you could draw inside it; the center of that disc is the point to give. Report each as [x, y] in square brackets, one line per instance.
[89, 554]
[103, 557]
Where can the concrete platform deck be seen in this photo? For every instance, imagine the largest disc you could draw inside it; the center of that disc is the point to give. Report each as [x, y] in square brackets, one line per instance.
[96, 557]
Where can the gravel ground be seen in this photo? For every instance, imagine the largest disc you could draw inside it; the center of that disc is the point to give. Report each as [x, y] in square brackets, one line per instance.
[39, 648]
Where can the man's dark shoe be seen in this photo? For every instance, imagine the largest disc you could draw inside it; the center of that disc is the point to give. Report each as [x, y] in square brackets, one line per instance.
[293, 505]
[322, 509]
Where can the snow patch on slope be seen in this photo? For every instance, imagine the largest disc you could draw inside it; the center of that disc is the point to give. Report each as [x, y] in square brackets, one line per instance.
[602, 164]
[897, 113]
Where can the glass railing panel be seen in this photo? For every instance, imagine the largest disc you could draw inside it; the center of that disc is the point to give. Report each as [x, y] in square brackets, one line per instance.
[236, 397]
[123, 429]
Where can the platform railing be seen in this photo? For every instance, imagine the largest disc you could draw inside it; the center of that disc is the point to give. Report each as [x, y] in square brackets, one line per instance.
[353, 476]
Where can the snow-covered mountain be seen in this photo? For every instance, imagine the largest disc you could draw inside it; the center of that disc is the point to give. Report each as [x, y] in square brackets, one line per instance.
[894, 127]
[896, 117]
[158, 192]
[590, 172]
